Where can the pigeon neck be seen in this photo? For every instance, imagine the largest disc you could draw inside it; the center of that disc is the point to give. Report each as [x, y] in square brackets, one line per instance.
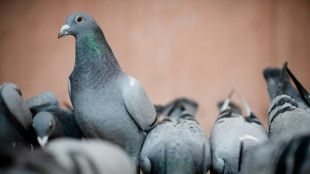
[93, 47]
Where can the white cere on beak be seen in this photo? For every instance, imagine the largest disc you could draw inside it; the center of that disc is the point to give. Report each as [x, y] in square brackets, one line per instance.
[42, 141]
[64, 27]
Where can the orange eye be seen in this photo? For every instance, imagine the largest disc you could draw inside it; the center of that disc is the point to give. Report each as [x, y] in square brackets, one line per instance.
[79, 19]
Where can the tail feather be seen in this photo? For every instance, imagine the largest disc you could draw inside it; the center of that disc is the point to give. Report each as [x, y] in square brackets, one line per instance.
[244, 102]
[240, 156]
[304, 94]
[203, 161]
[166, 160]
[227, 101]
[281, 88]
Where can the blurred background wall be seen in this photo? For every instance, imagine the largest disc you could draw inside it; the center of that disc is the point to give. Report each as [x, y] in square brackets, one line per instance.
[175, 48]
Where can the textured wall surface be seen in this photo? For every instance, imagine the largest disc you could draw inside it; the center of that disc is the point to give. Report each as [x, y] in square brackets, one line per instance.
[175, 48]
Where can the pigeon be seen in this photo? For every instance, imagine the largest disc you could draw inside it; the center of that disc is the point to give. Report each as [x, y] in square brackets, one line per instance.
[178, 144]
[92, 156]
[272, 77]
[280, 156]
[50, 120]
[15, 118]
[288, 115]
[23, 161]
[108, 104]
[233, 136]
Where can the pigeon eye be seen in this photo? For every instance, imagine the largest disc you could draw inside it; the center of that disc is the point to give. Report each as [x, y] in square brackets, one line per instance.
[79, 19]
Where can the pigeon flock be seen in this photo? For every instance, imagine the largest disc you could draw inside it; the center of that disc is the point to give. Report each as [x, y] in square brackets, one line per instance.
[114, 128]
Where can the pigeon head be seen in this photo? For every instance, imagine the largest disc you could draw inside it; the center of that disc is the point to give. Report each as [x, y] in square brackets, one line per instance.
[43, 124]
[77, 23]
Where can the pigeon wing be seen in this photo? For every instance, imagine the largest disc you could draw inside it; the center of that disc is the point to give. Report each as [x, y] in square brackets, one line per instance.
[16, 106]
[138, 105]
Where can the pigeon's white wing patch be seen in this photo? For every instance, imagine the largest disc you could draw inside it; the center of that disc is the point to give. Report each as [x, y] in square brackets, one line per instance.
[138, 104]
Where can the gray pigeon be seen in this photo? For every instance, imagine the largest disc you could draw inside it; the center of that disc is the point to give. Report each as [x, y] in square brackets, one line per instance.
[50, 120]
[288, 115]
[281, 156]
[90, 157]
[108, 104]
[23, 161]
[233, 136]
[178, 144]
[15, 118]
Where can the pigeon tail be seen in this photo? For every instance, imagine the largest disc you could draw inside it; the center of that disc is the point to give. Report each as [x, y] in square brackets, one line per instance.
[240, 156]
[282, 78]
[245, 104]
[302, 91]
[226, 102]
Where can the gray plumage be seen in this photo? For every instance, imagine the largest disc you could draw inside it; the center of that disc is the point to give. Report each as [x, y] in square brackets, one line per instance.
[108, 104]
[25, 162]
[178, 144]
[282, 156]
[90, 157]
[185, 104]
[287, 114]
[42, 101]
[15, 117]
[274, 83]
[232, 137]
[50, 120]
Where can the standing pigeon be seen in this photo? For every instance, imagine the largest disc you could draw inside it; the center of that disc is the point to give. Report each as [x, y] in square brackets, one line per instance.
[178, 144]
[233, 136]
[50, 120]
[15, 117]
[108, 104]
[288, 114]
[93, 156]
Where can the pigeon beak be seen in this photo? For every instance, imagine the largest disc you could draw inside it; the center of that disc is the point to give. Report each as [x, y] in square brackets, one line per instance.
[64, 31]
[42, 141]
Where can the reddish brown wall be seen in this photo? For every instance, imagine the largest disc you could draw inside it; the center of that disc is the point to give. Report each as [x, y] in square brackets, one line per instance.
[175, 48]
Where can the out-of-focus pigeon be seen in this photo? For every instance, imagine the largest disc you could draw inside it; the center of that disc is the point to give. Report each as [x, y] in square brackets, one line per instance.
[287, 115]
[50, 120]
[233, 136]
[178, 144]
[25, 162]
[90, 157]
[108, 104]
[15, 117]
[280, 156]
